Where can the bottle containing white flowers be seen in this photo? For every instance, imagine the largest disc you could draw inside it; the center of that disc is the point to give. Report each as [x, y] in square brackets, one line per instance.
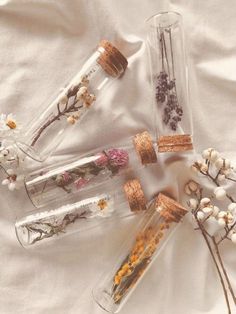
[47, 130]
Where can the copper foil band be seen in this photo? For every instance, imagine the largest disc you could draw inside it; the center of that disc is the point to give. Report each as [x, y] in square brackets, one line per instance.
[135, 195]
[175, 143]
[170, 210]
[144, 147]
[111, 59]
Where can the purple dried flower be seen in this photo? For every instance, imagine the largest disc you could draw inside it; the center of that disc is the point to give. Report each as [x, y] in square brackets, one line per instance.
[117, 157]
[66, 176]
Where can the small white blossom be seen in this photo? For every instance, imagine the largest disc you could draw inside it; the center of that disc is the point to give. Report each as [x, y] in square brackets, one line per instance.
[219, 163]
[220, 193]
[8, 124]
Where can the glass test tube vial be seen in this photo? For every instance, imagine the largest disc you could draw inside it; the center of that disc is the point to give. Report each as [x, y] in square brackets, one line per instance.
[165, 42]
[140, 250]
[47, 130]
[37, 228]
[47, 185]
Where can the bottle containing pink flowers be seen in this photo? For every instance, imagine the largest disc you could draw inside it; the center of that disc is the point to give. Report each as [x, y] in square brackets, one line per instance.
[48, 185]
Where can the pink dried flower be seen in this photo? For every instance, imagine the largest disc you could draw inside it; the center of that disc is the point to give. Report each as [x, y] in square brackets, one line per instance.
[102, 160]
[66, 176]
[80, 183]
[118, 157]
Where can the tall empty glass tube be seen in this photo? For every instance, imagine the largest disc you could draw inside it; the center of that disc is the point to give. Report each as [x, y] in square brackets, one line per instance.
[47, 130]
[138, 253]
[166, 47]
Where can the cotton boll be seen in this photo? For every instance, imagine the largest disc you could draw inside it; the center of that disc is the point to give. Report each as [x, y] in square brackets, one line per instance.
[232, 207]
[227, 164]
[219, 163]
[221, 177]
[214, 155]
[222, 214]
[207, 210]
[205, 201]
[206, 153]
[200, 215]
[221, 222]
[215, 211]
[220, 193]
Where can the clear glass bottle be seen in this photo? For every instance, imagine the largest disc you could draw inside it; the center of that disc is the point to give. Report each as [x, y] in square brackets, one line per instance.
[35, 228]
[47, 130]
[47, 185]
[138, 253]
[165, 42]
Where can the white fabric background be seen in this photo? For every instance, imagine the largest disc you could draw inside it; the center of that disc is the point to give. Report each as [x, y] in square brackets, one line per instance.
[43, 43]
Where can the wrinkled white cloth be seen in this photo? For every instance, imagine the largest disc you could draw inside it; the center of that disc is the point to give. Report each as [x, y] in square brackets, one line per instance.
[43, 44]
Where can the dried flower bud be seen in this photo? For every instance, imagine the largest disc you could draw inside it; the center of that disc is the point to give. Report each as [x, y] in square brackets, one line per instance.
[71, 120]
[64, 100]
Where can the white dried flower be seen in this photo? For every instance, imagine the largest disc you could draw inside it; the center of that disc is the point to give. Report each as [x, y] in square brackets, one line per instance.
[221, 222]
[200, 215]
[232, 207]
[205, 201]
[13, 181]
[219, 163]
[8, 124]
[220, 193]
[207, 210]
[211, 154]
[215, 211]
[221, 177]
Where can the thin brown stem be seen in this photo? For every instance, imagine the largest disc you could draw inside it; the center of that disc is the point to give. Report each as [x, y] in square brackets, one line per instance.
[216, 264]
[223, 268]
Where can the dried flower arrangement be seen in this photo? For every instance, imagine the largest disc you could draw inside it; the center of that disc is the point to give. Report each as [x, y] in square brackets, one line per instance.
[47, 224]
[72, 104]
[48, 184]
[166, 91]
[9, 159]
[162, 213]
[206, 214]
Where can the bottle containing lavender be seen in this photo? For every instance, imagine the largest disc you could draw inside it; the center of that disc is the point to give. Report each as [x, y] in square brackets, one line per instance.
[40, 227]
[58, 182]
[48, 128]
[166, 48]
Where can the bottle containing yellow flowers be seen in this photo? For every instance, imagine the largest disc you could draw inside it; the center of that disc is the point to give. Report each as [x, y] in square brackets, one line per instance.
[138, 253]
[47, 130]
[42, 226]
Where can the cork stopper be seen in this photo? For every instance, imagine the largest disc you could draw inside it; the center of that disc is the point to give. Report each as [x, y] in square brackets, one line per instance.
[144, 147]
[135, 195]
[111, 59]
[169, 209]
[175, 143]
